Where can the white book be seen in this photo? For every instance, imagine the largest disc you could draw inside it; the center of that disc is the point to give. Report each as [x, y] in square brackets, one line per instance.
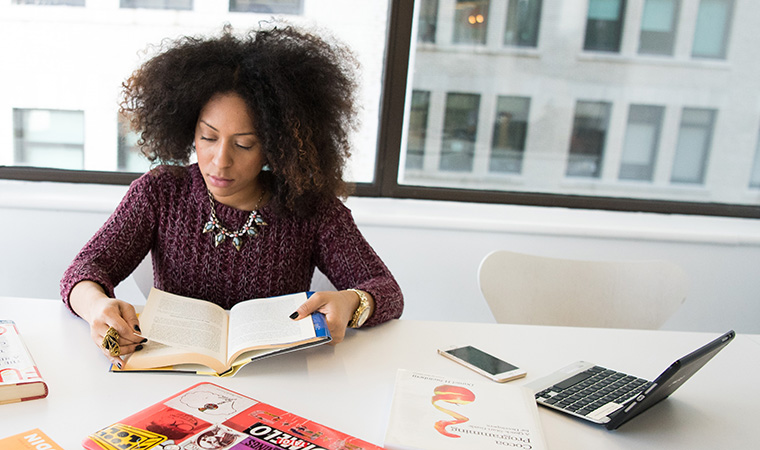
[431, 412]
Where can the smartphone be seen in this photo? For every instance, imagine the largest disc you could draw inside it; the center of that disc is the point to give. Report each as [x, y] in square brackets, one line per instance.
[483, 363]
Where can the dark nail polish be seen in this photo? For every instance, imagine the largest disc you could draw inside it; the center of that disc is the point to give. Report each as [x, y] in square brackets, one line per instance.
[118, 365]
[144, 341]
[137, 328]
[294, 315]
[138, 348]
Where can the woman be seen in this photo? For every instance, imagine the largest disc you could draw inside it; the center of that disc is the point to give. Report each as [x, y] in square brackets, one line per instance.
[268, 116]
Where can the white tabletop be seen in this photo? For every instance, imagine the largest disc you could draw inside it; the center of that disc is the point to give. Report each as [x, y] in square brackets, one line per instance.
[349, 386]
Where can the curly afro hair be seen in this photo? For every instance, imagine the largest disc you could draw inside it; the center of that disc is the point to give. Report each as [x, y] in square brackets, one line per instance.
[299, 88]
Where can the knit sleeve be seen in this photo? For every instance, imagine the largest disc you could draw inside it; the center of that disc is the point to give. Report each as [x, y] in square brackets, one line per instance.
[347, 259]
[120, 244]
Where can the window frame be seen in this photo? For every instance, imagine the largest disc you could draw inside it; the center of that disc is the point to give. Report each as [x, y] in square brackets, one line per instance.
[385, 184]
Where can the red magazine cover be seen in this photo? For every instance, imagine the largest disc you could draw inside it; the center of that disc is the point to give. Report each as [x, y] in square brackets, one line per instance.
[208, 416]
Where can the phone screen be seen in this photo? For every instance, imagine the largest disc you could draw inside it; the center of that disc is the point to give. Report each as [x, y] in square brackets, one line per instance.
[481, 359]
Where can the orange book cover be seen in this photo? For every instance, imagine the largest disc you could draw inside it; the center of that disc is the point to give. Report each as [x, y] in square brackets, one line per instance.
[29, 440]
[208, 416]
[20, 379]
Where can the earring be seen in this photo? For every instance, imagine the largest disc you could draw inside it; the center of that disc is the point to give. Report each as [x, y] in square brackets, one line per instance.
[266, 168]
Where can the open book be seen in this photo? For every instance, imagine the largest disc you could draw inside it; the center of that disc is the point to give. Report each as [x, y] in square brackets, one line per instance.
[184, 333]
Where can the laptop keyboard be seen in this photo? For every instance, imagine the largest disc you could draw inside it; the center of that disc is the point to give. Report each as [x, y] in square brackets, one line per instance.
[584, 393]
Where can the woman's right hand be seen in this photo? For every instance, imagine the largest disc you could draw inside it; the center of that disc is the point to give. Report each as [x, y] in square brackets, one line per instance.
[102, 312]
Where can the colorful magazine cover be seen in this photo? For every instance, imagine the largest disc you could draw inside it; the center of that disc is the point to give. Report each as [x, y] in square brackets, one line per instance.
[206, 416]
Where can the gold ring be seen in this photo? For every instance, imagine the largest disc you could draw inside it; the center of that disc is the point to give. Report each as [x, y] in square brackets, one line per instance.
[111, 342]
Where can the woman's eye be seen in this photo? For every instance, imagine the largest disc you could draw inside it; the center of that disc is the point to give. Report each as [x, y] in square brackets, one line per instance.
[245, 147]
[204, 138]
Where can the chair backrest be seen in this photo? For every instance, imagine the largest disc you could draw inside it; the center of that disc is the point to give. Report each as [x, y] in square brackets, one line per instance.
[528, 289]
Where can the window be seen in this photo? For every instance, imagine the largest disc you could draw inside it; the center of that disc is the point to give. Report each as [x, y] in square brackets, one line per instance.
[523, 22]
[588, 138]
[130, 157]
[712, 29]
[509, 133]
[418, 118]
[460, 130]
[451, 110]
[642, 140]
[428, 21]
[694, 142]
[658, 27]
[48, 138]
[157, 4]
[267, 6]
[470, 21]
[604, 25]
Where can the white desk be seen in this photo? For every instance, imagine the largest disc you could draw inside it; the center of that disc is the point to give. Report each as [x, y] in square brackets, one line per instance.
[349, 386]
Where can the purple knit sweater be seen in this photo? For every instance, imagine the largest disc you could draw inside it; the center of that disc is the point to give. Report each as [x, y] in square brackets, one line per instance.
[164, 212]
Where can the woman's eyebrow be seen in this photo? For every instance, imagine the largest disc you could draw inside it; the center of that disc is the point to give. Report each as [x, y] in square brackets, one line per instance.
[236, 134]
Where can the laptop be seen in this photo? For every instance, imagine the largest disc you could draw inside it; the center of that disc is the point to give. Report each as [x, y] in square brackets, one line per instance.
[612, 398]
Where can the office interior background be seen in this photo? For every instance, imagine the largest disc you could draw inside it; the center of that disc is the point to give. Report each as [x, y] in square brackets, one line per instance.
[589, 129]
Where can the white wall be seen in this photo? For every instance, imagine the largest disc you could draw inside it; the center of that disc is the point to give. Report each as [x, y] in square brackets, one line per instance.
[433, 248]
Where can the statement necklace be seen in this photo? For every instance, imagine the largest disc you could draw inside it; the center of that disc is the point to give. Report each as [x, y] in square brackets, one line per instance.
[250, 228]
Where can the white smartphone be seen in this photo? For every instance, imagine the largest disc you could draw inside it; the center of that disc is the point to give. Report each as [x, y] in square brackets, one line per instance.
[483, 363]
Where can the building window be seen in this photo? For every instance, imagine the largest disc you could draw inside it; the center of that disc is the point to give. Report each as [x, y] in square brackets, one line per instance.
[509, 132]
[48, 138]
[587, 142]
[658, 27]
[471, 21]
[460, 130]
[642, 140]
[604, 25]
[754, 178]
[523, 23]
[130, 157]
[267, 6]
[157, 4]
[418, 118]
[427, 23]
[712, 29]
[693, 148]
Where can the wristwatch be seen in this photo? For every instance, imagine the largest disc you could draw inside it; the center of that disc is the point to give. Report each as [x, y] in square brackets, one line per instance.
[362, 312]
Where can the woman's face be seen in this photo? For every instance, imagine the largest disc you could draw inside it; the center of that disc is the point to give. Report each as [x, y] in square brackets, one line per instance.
[229, 153]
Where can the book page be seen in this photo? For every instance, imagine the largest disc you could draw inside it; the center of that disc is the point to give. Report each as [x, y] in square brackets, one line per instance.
[185, 323]
[266, 322]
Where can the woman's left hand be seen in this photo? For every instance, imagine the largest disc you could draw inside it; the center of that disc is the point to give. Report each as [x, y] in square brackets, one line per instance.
[338, 308]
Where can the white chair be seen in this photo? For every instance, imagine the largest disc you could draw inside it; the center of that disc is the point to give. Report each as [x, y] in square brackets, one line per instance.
[527, 289]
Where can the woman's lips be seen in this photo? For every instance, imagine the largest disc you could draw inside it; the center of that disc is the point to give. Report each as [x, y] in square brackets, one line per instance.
[219, 182]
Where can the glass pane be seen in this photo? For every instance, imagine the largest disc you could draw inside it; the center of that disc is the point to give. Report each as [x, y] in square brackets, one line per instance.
[658, 27]
[418, 117]
[694, 142]
[713, 24]
[566, 122]
[459, 132]
[267, 6]
[470, 21]
[78, 61]
[523, 22]
[587, 143]
[642, 139]
[48, 138]
[604, 27]
[157, 4]
[428, 21]
[510, 130]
